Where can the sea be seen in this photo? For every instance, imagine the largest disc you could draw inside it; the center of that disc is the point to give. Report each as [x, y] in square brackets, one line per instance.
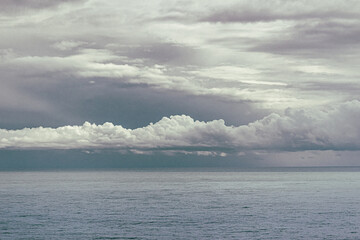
[270, 203]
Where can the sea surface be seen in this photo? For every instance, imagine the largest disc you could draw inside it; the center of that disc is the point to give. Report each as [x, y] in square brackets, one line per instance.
[289, 203]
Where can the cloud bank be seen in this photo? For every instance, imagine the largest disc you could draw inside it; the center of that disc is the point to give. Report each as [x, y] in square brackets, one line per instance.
[332, 128]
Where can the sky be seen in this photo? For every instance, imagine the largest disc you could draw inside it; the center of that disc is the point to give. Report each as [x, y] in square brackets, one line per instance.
[179, 83]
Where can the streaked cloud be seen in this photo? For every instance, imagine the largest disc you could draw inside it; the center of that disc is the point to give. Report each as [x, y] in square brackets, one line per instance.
[268, 11]
[23, 6]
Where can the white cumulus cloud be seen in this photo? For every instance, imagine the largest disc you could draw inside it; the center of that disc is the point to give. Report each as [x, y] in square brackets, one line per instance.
[332, 128]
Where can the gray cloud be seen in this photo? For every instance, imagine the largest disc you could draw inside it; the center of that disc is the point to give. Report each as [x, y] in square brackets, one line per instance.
[166, 53]
[224, 82]
[24, 6]
[228, 62]
[245, 15]
[267, 11]
[302, 28]
[334, 128]
[314, 40]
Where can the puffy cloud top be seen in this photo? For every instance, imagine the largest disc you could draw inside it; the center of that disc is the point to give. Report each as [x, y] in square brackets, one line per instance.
[334, 128]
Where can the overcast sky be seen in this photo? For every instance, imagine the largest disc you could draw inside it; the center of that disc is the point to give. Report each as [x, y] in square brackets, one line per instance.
[273, 81]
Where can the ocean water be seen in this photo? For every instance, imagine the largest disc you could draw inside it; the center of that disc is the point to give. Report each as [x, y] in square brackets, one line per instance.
[183, 204]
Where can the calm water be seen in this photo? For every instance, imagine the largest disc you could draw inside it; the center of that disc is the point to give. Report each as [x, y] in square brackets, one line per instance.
[180, 205]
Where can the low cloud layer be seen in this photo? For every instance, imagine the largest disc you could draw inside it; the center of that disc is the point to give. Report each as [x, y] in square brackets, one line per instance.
[332, 128]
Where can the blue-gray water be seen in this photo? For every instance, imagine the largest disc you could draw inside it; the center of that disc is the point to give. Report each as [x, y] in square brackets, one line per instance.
[277, 204]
